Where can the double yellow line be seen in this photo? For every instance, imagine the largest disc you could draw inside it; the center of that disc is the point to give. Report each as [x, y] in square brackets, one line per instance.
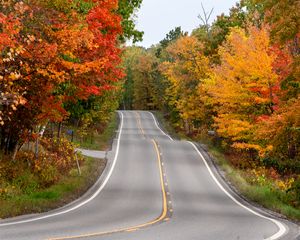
[162, 217]
[138, 117]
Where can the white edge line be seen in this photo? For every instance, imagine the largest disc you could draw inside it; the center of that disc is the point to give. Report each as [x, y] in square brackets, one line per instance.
[159, 127]
[87, 200]
[281, 227]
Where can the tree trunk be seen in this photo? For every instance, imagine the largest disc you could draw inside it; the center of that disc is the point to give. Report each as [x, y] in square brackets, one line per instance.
[59, 131]
[42, 130]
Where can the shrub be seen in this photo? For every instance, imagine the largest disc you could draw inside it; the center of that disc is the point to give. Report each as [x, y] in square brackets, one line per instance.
[29, 173]
[48, 175]
[295, 192]
[26, 182]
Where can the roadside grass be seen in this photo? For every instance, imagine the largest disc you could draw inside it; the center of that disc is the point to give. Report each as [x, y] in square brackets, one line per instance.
[69, 188]
[262, 194]
[98, 141]
[24, 195]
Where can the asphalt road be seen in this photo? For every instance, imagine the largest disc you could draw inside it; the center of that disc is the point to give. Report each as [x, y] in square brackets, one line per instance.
[153, 188]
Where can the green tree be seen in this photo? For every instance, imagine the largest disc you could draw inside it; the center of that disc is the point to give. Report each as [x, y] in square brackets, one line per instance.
[127, 10]
[172, 36]
[130, 59]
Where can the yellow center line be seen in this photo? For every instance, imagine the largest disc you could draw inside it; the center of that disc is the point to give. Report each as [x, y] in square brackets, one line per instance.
[162, 217]
[138, 117]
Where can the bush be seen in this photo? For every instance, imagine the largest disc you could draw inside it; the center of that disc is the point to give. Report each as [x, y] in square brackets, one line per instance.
[295, 192]
[61, 153]
[48, 175]
[27, 173]
[283, 166]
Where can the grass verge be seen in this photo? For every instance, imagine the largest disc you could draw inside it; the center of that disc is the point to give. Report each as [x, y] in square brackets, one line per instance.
[65, 191]
[262, 194]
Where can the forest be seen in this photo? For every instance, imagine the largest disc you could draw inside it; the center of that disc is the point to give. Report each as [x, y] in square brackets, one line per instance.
[234, 82]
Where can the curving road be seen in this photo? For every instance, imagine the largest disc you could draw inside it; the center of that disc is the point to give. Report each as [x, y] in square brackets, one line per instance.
[153, 188]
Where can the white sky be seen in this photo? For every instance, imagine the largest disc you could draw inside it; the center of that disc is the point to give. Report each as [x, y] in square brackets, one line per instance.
[157, 17]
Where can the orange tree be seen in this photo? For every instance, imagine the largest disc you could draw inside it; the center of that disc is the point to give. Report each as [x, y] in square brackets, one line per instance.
[246, 87]
[186, 75]
[53, 53]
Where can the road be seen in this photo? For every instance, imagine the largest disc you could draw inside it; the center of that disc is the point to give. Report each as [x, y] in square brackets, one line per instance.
[153, 188]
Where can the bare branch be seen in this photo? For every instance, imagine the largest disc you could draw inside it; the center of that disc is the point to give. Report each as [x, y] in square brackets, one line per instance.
[200, 17]
[205, 16]
[211, 11]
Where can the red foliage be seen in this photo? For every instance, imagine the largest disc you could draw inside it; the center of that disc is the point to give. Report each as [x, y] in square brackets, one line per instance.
[48, 58]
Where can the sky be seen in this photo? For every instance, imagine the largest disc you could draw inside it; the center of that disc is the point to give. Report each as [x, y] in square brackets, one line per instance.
[157, 17]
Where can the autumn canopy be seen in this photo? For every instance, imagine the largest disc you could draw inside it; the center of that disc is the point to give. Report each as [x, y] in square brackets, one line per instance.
[55, 54]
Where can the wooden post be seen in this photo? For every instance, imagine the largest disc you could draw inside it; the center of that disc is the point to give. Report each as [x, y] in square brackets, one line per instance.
[78, 166]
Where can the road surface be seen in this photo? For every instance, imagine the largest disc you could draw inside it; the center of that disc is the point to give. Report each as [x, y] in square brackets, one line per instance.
[153, 188]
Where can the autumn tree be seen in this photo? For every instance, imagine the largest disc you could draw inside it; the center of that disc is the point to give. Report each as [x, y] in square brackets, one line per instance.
[280, 135]
[186, 75]
[246, 86]
[29, 55]
[283, 29]
[285, 33]
[54, 54]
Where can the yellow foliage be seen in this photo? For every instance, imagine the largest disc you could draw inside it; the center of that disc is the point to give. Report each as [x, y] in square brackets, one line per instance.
[246, 146]
[242, 86]
[186, 75]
